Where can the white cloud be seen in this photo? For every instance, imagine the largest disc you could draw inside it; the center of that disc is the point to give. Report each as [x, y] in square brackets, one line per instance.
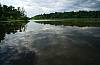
[34, 7]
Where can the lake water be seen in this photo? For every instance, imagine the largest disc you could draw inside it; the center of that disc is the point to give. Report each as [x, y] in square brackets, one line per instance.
[45, 44]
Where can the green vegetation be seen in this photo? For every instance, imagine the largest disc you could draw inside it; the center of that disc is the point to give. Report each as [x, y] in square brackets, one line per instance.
[10, 13]
[79, 18]
[11, 20]
[81, 22]
[64, 15]
[11, 27]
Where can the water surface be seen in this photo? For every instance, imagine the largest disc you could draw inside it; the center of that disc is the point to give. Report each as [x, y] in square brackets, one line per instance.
[45, 44]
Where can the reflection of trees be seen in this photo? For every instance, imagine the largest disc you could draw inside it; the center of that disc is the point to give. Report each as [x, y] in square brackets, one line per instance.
[7, 28]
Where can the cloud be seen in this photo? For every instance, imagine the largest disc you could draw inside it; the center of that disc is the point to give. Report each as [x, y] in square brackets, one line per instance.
[34, 7]
[88, 4]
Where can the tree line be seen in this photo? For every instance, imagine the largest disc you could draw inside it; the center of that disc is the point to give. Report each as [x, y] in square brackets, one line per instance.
[12, 13]
[72, 14]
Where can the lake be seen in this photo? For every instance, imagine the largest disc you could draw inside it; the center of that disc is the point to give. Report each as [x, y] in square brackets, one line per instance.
[45, 44]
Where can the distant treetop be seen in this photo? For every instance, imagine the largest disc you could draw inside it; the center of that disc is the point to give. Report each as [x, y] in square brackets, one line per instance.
[72, 14]
[9, 12]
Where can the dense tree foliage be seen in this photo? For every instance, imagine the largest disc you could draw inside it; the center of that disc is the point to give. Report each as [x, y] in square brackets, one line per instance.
[10, 13]
[63, 15]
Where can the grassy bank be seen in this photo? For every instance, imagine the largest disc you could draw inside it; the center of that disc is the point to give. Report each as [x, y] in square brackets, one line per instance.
[81, 22]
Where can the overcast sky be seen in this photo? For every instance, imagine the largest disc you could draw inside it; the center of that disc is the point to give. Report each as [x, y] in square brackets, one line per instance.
[34, 7]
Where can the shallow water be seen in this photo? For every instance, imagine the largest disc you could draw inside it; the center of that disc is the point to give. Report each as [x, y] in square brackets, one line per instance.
[45, 44]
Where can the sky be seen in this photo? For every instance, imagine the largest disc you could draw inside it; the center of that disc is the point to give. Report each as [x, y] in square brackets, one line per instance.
[35, 7]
